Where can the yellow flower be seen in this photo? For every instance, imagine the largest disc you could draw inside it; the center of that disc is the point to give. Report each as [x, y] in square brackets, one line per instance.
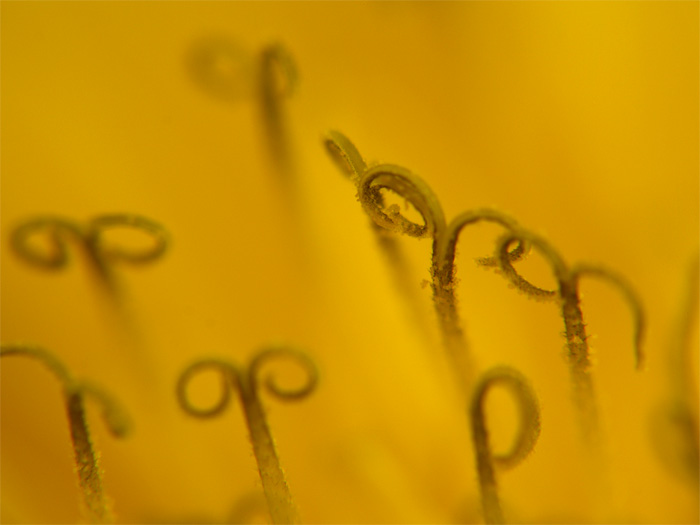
[579, 119]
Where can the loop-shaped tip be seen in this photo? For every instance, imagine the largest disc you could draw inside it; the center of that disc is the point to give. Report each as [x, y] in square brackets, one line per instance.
[505, 262]
[529, 429]
[447, 245]
[86, 460]
[99, 225]
[56, 229]
[344, 154]
[288, 353]
[228, 373]
[629, 294]
[407, 186]
[113, 413]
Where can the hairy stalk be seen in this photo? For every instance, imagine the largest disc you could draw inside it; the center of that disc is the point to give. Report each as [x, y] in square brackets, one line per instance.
[523, 444]
[370, 182]
[95, 503]
[351, 163]
[90, 239]
[576, 337]
[444, 281]
[246, 380]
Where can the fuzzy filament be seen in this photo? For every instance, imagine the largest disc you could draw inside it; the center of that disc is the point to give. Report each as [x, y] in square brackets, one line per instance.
[246, 381]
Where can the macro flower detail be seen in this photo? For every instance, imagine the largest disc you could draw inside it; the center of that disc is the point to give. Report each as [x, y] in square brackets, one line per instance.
[172, 200]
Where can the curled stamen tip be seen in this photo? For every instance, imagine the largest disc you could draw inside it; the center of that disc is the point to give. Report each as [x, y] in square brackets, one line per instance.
[344, 154]
[300, 358]
[157, 232]
[117, 420]
[119, 425]
[526, 398]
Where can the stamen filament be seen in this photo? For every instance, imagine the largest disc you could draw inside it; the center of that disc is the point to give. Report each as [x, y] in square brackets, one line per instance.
[246, 381]
[525, 440]
[96, 506]
[580, 364]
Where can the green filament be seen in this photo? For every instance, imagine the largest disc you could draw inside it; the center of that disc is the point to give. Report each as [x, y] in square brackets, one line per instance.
[523, 444]
[576, 338]
[95, 503]
[370, 183]
[247, 382]
[90, 239]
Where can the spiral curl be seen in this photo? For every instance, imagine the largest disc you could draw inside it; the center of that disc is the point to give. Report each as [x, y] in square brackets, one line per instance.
[289, 394]
[568, 279]
[525, 440]
[529, 429]
[248, 380]
[447, 244]
[59, 231]
[409, 186]
[234, 376]
[345, 154]
[89, 237]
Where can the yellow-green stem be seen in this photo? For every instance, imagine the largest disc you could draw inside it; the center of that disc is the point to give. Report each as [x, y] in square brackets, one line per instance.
[279, 498]
[87, 467]
[528, 433]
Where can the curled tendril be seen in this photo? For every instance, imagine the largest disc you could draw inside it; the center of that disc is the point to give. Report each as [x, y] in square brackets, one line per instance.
[568, 279]
[229, 378]
[575, 329]
[406, 185]
[90, 237]
[370, 182]
[58, 231]
[505, 263]
[447, 245]
[292, 394]
[114, 416]
[247, 381]
[232, 376]
[345, 154]
[529, 429]
[99, 225]
[524, 442]
[629, 294]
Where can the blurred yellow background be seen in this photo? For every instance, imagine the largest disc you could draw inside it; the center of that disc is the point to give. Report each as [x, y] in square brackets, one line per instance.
[580, 119]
